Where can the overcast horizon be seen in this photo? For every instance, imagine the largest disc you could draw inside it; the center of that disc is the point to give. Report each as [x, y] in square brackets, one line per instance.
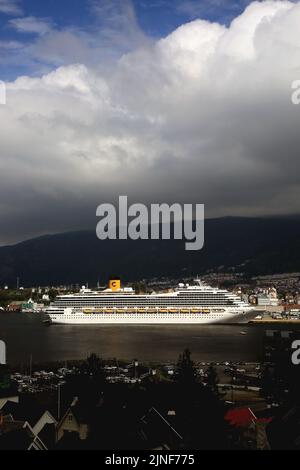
[180, 101]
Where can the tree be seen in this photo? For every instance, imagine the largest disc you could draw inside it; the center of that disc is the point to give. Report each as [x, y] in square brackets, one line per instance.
[52, 294]
[186, 373]
[140, 287]
[89, 379]
[212, 379]
[93, 366]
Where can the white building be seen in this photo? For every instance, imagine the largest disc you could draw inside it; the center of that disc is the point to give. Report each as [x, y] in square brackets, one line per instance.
[266, 300]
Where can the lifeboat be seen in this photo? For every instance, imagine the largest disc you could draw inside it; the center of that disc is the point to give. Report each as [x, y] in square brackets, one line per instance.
[195, 310]
[120, 310]
[151, 310]
[88, 310]
[173, 310]
[163, 310]
[141, 310]
[184, 310]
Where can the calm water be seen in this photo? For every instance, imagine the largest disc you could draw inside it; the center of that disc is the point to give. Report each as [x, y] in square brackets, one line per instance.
[25, 334]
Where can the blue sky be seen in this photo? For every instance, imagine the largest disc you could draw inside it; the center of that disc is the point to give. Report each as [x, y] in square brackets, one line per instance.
[160, 17]
[33, 32]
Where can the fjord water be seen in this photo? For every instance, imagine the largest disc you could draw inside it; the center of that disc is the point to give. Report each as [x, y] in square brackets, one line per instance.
[26, 335]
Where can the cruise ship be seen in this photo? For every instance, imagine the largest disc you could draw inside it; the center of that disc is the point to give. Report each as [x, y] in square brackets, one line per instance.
[186, 304]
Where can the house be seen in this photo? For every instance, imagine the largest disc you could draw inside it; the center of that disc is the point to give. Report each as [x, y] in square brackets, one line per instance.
[10, 398]
[18, 435]
[48, 435]
[240, 417]
[45, 429]
[15, 307]
[41, 421]
[8, 392]
[45, 419]
[75, 420]
[284, 431]
[29, 412]
[158, 432]
[248, 430]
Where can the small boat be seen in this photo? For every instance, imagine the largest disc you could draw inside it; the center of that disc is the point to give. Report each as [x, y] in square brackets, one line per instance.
[243, 333]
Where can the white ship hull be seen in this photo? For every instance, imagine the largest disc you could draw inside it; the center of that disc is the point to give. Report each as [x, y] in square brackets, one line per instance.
[145, 319]
[198, 304]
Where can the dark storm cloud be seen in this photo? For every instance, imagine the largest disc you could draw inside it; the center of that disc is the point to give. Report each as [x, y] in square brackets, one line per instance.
[203, 115]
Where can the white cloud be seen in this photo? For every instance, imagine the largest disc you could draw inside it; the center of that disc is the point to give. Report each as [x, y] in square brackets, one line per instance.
[202, 115]
[31, 24]
[10, 7]
[112, 32]
[10, 45]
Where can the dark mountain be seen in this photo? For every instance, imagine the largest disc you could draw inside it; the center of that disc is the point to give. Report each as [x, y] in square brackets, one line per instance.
[251, 245]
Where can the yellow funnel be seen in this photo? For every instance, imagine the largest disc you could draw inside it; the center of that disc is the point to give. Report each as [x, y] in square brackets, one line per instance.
[114, 284]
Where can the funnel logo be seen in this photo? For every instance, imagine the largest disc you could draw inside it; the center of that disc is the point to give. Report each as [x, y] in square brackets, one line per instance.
[2, 353]
[115, 285]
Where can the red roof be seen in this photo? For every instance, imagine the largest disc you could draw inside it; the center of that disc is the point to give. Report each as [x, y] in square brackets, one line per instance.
[240, 417]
